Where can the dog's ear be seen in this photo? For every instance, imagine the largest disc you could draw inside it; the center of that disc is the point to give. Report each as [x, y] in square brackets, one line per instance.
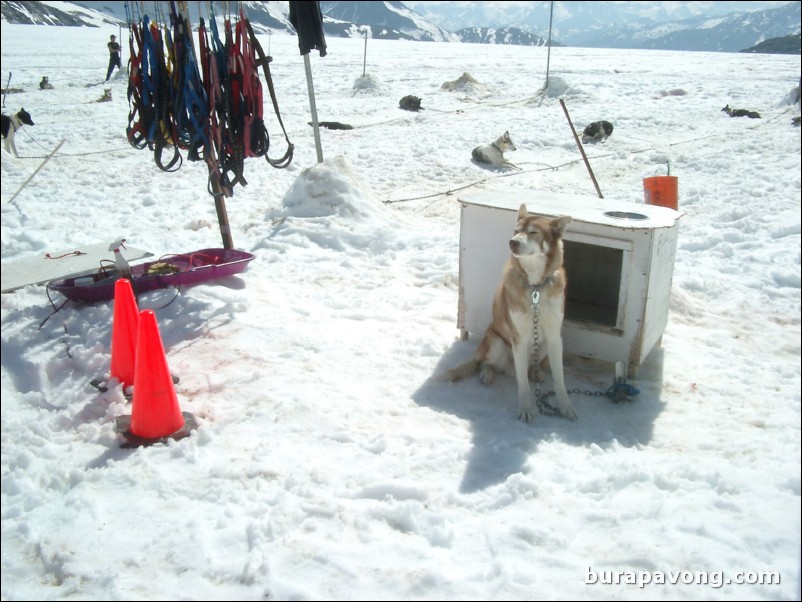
[559, 224]
[523, 211]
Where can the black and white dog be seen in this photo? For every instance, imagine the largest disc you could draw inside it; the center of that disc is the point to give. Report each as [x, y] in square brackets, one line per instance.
[11, 123]
[598, 131]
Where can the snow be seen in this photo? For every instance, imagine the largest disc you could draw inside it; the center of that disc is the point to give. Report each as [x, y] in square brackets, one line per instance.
[329, 462]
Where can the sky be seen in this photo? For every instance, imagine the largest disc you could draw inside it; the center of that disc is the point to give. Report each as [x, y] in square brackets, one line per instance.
[330, 461]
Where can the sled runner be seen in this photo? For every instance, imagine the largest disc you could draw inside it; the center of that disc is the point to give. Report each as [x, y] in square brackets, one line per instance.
[185, 269]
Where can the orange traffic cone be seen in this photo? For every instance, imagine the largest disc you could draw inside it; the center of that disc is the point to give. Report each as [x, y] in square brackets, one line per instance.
[124, 333]
[155, 413]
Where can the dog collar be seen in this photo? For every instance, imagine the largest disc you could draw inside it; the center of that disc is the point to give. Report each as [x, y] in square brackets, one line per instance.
[546, 281]
[494, 145]
[535, 288]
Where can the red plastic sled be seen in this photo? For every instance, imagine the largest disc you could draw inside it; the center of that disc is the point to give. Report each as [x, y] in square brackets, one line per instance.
[185, 269]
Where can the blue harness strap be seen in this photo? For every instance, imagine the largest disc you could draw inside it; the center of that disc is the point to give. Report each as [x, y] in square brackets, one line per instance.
[190, 105]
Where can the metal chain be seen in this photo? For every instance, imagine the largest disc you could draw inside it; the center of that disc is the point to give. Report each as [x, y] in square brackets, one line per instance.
[540, 399]
[618, 392]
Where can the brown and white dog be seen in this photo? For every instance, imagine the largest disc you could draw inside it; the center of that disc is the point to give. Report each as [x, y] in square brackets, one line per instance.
[741, 112]
[532, 290]
[106, 96]
[11, 123]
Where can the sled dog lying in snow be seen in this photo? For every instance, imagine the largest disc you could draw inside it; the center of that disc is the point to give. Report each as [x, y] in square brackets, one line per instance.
[598, 131]
[11, 123]
[741, 113]
[533, 280]
[493, 153]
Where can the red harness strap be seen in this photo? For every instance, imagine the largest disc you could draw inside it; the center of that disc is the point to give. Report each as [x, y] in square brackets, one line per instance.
[264, 63]
[211, 81]
[255, 138]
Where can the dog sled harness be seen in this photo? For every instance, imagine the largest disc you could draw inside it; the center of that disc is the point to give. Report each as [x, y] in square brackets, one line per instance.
[190, 105]
[209, 105]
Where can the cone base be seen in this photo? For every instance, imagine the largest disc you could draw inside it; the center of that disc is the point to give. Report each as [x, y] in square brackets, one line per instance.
[131, 440]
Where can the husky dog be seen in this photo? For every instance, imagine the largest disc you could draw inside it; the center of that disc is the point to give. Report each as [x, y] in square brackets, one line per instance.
[741, 113]
[11, 123]
[333, 125]
[106, 96]
[598, 131]
[45, 84]
[532, 290]
[410, 103]
[493, 153]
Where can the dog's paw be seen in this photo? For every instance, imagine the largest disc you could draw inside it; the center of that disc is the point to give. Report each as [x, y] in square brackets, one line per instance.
[486, 375]
[568, 411]
[526, 414]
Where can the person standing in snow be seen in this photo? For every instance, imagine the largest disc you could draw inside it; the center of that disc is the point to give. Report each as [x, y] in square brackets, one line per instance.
[114, 56]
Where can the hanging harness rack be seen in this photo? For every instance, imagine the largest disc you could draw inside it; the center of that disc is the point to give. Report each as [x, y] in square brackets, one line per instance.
[208, 104]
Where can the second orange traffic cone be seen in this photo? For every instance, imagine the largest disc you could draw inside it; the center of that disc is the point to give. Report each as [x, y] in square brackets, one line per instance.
[155, 412]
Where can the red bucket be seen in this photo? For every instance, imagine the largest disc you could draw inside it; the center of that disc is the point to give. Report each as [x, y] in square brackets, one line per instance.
[661, 190]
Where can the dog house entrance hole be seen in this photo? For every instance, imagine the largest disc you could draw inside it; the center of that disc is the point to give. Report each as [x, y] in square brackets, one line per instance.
[595, 293]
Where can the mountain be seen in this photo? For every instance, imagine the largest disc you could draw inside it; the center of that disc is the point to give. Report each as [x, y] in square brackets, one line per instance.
[388, 20]
[784, 45]
[65, 14]
[646, 24]
[709, 26]
[264, 16]
[720, 34]
[384, 20]
[503, 35]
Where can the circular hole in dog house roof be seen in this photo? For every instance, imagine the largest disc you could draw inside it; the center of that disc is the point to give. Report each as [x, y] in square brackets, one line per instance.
[625, 215]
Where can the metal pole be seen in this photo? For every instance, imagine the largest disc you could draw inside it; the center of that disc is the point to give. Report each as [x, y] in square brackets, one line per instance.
[581, 150]
[365, 54]
[548, 53]
[313, 108]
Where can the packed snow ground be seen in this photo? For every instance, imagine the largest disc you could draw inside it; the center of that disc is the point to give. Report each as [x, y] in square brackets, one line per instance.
[328, 463]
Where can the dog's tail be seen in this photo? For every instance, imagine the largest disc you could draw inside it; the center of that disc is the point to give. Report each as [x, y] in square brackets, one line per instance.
[462, 371]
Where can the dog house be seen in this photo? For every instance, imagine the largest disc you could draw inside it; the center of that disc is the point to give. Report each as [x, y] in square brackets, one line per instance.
[619, 261]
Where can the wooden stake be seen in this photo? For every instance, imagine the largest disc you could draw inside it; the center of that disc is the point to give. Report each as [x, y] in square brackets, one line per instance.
[581, 149]
[222, 215]
[24, 184]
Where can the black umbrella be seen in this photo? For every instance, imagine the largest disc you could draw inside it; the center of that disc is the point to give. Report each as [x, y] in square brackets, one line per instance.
[307, 20]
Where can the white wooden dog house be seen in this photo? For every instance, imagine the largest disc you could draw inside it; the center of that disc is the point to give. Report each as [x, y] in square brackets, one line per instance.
[619, 260]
